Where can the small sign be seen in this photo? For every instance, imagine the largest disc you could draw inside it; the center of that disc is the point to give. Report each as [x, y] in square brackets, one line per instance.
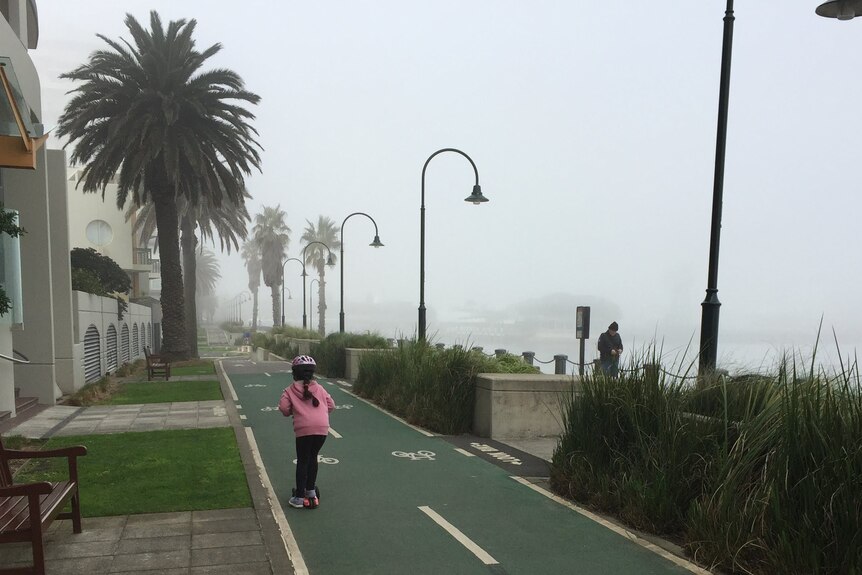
[582, 322]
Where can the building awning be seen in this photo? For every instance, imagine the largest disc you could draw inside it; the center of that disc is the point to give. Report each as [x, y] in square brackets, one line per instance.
[20, 137]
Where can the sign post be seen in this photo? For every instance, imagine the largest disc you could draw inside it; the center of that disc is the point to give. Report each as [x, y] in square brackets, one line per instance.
[582, 332]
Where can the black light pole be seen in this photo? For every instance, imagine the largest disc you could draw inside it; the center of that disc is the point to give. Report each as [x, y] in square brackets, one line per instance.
[475, 198]
[282, 283]
[375, 244]
[841, 9]
[329, 262]
[711, 305]
[242, 300]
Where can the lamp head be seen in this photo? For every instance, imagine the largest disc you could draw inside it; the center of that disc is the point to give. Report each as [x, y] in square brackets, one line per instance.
[476, 197]
[329, 260]
[376, 243]
[840, 9]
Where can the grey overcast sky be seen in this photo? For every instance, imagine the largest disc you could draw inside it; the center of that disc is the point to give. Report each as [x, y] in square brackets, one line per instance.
[593, 127]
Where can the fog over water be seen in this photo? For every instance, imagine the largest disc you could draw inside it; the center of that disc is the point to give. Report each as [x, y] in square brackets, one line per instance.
[592, 126]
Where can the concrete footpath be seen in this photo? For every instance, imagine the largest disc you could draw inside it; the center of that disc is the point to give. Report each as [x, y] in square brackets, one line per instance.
[244, 541]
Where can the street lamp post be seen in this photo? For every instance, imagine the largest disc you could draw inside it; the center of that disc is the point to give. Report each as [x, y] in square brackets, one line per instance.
[475, 198]
[310, 295]
[240, 297]
[375, 244]
[710, 306]
[841, 9]
[329, 262]
[282, 283]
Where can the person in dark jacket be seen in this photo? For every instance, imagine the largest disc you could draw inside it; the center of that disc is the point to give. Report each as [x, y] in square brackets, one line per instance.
[610, 348]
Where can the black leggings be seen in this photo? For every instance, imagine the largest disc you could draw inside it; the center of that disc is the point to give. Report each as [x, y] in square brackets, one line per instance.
[307, 448]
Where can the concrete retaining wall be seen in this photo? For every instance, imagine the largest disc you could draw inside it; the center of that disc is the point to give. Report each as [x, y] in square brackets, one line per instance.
[352, 358]
[519, 406]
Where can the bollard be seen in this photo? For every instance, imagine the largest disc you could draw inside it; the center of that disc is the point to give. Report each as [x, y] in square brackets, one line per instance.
[651, 371]
[440, 346]
[560, 364]
[479, 348]
[499, 352]
[529, 356]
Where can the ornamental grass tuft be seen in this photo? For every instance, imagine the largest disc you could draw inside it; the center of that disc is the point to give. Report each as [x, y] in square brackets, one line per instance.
[751, 474]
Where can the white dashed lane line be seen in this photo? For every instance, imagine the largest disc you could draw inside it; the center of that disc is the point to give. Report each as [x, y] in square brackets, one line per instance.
[480, 553]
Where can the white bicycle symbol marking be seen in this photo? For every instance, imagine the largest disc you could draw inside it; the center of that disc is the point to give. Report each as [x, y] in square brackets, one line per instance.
[269, 408]
[417, 456]
[346, 406]
[326, 460]
[254, 385]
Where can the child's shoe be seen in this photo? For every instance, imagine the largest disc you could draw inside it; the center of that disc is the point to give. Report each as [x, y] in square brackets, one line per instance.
[311, 501]
[297, 502]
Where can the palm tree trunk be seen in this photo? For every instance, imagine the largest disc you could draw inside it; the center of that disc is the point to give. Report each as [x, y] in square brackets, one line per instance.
[189, 245]
[321, 302]
[254, 310]
[276, 300]
[174, 343]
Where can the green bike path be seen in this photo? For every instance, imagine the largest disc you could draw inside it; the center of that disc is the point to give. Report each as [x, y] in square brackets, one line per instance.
[394, 500]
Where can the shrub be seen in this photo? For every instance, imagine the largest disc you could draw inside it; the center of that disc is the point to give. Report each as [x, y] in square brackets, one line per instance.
[330, 353]
[296, 332]
[754, 473]
[427, 386]
[630, 448]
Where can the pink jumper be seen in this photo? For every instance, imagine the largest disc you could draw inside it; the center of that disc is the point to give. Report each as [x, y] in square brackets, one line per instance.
[307, 419]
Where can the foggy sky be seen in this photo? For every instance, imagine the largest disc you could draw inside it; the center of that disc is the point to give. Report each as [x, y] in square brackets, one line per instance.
[592, 125]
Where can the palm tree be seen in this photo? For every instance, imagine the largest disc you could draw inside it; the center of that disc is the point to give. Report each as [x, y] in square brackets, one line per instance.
[147, 111]
[226, 221]
[251, 254]
[271, 234]
[316, 255]
[207, 274]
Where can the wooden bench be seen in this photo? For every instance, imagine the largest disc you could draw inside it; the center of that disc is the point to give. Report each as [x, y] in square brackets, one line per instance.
[27, 509]
[157, 365]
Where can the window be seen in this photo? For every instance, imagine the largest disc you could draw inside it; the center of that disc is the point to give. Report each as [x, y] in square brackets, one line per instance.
[99, 233]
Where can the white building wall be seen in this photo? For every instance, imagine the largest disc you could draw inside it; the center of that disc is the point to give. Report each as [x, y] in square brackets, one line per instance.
[87, 207]
[101, 312]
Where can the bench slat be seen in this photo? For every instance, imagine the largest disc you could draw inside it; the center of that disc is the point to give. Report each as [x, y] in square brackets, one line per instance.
[15, 514]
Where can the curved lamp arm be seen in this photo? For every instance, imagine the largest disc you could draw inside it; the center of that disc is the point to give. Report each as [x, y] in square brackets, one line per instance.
[375, 244]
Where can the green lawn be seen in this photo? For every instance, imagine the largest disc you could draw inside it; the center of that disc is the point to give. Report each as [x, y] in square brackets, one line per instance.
[164, 392]
[204, 368]
[151, 472]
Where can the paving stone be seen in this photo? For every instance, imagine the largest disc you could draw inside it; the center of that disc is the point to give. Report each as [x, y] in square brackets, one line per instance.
[228, 555]
[72, 549]
[225, 526]
[172, 517]
[14, 553]
[178, 571]
[223, 540]
[224, 514]
[157, 530]
[79, 566]
[260, 568]
[151, 561]
[153, 544]
[87, 536]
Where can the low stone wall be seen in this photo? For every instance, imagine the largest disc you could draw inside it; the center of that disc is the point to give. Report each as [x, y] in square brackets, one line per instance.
[352, 359]
[520, 406]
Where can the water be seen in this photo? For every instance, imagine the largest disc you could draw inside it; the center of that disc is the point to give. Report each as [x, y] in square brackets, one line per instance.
[675, 356]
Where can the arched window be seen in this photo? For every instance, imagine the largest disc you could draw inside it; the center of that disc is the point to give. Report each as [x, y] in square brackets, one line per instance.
[136, 350]
[111, 345]
[124, 343]
[92, 354]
